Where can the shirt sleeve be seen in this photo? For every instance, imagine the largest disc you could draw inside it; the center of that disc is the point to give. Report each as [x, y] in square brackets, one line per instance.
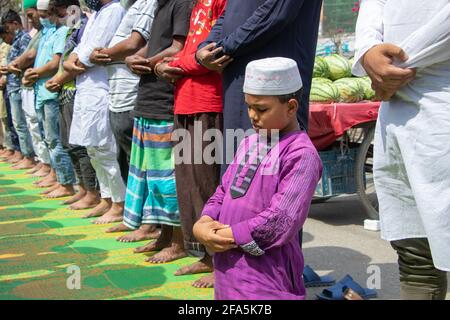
[144, 24]
[269, 20]
[34, 43]
[431, 43]
[60, 41]
[369, 31]
[105, 26]
[181, 18]
[283, 219]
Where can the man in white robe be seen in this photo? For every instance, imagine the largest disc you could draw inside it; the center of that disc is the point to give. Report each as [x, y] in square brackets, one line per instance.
[90, 125]
[404, 46]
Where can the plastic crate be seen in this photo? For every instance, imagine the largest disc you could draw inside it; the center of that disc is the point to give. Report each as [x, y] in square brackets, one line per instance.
[338, 175]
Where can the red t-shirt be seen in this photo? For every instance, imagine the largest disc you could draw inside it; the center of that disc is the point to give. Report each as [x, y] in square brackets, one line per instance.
[201, 89]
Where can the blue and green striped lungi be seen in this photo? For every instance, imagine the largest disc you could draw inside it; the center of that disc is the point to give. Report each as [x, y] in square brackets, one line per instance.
[151, 196]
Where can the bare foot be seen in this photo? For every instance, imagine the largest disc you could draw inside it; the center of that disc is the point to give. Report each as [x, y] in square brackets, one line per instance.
[62, 191]
[51, 189]
[119, 228]
[202, 266]
[35, 169]
[76, 197]
[204, 282]
[114, 214]
[26, 163]
[100, 209]
[42, 172]
[145, 232]
[164, 241]
[172, 253]
[90, 200]
[46, 182]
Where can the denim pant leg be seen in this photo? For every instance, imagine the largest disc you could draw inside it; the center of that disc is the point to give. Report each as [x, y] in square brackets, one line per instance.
[20, 124]
[60, 159]
[13, 139]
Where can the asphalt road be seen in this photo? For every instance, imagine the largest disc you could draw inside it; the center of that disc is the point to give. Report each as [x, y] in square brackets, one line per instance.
[335, 243]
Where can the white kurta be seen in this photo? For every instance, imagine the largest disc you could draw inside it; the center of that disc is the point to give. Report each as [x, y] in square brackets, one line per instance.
[90, 125]
[412, 143]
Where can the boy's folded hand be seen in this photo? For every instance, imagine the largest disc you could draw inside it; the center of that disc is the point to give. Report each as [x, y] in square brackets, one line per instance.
[206, 233]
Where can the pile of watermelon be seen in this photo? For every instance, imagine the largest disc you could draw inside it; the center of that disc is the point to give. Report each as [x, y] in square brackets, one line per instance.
[333, 82]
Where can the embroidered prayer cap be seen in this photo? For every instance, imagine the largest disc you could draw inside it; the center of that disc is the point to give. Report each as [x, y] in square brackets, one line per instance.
[272, 77]
[42, 4]
[27, 4]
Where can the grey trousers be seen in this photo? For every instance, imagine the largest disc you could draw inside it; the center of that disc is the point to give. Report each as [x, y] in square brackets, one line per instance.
[419, 279]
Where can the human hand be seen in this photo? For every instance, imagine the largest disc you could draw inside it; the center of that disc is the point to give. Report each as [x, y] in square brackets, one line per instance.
[30, 77]
[14, 68]
[165, 71]
[4, 70]
[386, 78]
[206, 232]
[74, 66]
[97, 57]
[138, 65]
[53, 85]
[207, 58]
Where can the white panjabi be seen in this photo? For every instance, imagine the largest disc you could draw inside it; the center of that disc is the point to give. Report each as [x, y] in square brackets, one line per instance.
[412, 141]
[272, 77]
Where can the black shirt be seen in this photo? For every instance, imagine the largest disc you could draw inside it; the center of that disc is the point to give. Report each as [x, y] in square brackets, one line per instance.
[155, 98]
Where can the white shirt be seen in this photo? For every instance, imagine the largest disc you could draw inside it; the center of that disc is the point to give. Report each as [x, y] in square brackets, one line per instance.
[90, 124]
[123, 83]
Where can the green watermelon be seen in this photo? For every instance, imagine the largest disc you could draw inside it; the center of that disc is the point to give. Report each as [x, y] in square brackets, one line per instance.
[323, 92]
[340, 67]
[321, 80]
[350, 90]
[366, 83]
[321, 69]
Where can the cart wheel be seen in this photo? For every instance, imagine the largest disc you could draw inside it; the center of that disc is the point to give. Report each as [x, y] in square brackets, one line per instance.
[365, 186]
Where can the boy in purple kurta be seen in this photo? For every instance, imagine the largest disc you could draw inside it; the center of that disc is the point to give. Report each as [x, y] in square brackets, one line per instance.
[252, 221]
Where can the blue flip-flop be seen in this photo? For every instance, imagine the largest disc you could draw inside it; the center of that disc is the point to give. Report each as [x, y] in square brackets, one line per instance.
[337, 292]
[312, 279]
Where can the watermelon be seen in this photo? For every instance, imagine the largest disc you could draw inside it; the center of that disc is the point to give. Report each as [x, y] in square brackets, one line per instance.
[321, 80]
[340, 67]
[366, 83]
[323, 92]
[350, 90]
[321, 69]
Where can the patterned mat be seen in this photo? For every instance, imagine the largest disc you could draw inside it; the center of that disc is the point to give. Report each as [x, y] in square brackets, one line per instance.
[44, 247]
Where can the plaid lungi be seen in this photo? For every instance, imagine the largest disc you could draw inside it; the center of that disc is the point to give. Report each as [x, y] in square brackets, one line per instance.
[151, 196]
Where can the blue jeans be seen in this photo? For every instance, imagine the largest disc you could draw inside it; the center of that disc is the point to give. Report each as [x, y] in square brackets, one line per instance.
[20, 124]
[11, 139]
[48, 116]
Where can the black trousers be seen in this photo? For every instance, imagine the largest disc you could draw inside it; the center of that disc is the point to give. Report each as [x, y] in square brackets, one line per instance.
[122, 128]
[80, 159]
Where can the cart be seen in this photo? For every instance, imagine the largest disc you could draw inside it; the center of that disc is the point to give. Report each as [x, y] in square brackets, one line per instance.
[349, 130]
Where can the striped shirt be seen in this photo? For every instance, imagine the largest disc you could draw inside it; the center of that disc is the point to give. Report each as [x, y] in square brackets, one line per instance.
[122, 82]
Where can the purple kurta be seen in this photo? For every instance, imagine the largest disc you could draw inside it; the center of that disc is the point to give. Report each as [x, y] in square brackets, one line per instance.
[266, 209]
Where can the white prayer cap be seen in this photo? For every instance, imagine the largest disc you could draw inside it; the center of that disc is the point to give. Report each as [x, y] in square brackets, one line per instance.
[272, 77]
[42, 4]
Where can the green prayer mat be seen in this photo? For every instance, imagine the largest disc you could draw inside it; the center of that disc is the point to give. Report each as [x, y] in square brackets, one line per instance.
[44, 247]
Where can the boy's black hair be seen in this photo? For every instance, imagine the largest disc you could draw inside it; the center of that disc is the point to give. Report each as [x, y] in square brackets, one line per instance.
[11, 16]
[286, 97]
